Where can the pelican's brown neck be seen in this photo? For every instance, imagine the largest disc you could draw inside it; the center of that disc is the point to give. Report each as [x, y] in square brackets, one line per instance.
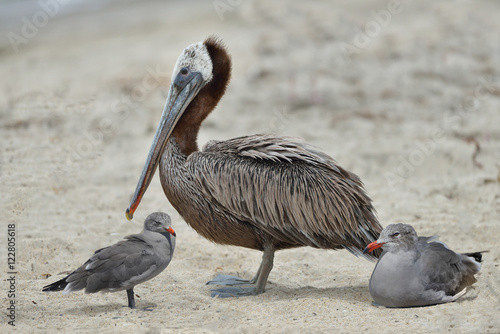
[186, 130]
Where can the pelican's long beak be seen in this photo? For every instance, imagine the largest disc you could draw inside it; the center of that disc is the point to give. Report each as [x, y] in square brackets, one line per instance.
[372, 246]
[183, 90]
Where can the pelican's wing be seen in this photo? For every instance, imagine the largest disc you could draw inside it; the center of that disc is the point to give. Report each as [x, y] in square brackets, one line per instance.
[289, 189]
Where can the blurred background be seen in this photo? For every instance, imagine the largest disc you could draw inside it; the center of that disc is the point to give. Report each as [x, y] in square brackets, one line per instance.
[406, 94]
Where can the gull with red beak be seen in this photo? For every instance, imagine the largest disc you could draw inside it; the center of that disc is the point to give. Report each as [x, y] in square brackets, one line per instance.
[122, 266]
[419, 271]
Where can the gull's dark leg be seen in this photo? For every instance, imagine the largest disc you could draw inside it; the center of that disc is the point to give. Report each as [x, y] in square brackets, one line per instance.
[131, 300]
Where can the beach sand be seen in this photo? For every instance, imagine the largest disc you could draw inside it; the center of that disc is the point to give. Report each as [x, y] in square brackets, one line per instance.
[399, 95]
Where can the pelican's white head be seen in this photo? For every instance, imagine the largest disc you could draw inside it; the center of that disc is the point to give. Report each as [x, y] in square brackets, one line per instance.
[197, 59]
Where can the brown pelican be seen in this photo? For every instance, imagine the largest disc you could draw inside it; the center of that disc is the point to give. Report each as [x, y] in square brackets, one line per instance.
[125, 264]
[262, 192]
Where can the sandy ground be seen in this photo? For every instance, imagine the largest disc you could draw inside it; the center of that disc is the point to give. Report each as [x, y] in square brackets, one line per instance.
[398, 99]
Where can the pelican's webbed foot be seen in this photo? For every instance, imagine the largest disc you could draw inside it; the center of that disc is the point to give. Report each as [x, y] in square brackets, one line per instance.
[257, 284]
[231, 292]
[229, 280]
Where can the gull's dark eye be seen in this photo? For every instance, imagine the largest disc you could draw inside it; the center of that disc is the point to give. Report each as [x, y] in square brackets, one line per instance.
[184, 70]
[395, 234]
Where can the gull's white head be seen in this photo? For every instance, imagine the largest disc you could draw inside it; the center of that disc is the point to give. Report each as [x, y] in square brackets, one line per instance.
[197, 59]
[395, 237]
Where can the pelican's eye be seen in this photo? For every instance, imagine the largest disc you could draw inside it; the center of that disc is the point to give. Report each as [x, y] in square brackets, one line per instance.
[395, 234]
[184, 71]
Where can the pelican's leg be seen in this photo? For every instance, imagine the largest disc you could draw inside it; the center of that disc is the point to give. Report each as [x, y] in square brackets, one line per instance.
[131, 300]
[259, 280]
[264, 270]
[256, 277]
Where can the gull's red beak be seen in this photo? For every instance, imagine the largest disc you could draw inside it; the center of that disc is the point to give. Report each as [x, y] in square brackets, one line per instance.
[171, 231]
[374, 245]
